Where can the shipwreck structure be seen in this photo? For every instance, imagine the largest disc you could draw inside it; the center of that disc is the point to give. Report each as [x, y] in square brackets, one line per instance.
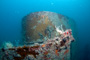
[40, 26]
[46, 36]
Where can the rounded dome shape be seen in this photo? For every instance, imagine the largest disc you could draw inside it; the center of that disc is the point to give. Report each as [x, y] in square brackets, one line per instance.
[40, 26]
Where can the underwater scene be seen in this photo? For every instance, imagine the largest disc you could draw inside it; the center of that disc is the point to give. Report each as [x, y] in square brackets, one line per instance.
[44, 29]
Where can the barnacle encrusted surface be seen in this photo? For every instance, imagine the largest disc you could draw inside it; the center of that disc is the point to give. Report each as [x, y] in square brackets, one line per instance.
[52, 49]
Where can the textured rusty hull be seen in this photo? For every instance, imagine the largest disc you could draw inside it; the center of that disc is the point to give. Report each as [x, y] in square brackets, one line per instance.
[41, 25]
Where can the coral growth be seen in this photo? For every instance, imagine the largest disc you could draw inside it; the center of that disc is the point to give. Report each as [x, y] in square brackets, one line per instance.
[56, 48]
[8, 45]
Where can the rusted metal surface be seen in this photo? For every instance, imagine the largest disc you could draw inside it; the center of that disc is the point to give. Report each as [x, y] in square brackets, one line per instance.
[46, 36]
[56, 48]
[41, 25]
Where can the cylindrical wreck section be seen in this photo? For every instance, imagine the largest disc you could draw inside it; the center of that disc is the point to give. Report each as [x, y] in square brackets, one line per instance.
[40, 26]
[46, 36]
[44, 27]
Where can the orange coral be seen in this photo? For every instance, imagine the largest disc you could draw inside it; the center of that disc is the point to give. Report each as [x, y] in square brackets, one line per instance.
[42, 16]
[43, 45]
[56, 52]
[46, 52]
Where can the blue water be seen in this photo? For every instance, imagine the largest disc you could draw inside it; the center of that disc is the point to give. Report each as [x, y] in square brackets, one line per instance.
[12, 12]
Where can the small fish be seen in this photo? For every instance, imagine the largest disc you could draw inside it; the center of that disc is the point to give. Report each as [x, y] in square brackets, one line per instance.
[66, 51]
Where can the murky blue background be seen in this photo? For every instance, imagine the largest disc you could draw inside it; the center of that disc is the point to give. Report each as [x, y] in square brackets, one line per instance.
[12, 12]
